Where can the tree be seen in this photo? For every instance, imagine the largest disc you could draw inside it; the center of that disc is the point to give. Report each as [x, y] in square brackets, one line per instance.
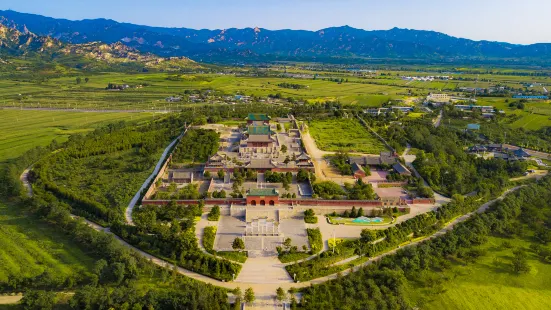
[207, 175]
[287, 243]
[281, 295]
[520, 262]
[38, 300]
[284, 148]
[368, 235]
[78, 80]
[278, 127]
[86, 79]
[238, 297]
[249, 296]
[221, 174]
[238, 244]
[360, 212]
[287, 160]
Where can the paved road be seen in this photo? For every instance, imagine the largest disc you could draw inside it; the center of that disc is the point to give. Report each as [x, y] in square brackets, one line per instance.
[132, 204]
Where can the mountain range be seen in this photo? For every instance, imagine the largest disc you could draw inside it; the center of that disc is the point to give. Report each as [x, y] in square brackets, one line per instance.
[90, 56]
[263, 44]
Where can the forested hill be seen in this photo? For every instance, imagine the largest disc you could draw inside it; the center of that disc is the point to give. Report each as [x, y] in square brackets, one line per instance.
[259, 43]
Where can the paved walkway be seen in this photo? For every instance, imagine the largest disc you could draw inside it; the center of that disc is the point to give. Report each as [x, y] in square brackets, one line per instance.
[263, 270]
[132, 204]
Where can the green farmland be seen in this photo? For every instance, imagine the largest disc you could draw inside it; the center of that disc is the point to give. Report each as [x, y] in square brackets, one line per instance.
[23, 130]
[346, 135]
[534, 116]
[65, 93]
[30, 248]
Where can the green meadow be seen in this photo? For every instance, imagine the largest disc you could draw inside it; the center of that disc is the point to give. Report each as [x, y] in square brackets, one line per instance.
[489, 282]
[346, 135]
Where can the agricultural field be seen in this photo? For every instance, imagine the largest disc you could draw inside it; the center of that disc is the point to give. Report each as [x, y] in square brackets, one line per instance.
[30, 248]
[23, 130]
[346, 135]
[489, 283]
[64, 92]
[534, 116]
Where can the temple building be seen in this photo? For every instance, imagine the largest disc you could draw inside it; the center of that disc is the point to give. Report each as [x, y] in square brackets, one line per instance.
[258, 119]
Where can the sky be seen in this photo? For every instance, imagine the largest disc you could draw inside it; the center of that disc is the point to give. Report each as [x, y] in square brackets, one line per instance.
[511, 21]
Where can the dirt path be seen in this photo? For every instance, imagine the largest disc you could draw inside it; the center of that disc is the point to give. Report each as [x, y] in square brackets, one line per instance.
[438, 120]
[8, 300]
[316, 154]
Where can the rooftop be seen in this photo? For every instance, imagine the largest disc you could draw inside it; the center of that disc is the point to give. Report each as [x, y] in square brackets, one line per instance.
[401, 169]
[258, 130]
[473, 126]
[356, 167]
[258, 117]
[260, 164]
[182, 175]
[262, 192]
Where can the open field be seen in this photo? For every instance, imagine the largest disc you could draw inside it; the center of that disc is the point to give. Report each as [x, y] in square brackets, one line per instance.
[489, 283]
[23, 130]
[30, 248]
[346, 135]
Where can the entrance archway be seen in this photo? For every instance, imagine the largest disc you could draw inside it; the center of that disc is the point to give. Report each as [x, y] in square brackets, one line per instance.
[272, 203]
[262, 202]
[253, 202]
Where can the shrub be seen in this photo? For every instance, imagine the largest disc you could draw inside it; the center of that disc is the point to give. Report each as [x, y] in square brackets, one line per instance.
[310, 217]
[214, 214]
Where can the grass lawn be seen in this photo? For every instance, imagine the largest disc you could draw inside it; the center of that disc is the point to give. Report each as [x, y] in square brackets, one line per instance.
[293, 257]
[349, 221]
[240, 257]
[23, 130]
[29, 248]
[490, 283]
[344, 135]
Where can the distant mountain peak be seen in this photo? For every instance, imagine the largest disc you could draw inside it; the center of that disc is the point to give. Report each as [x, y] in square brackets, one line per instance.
[337, 42]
